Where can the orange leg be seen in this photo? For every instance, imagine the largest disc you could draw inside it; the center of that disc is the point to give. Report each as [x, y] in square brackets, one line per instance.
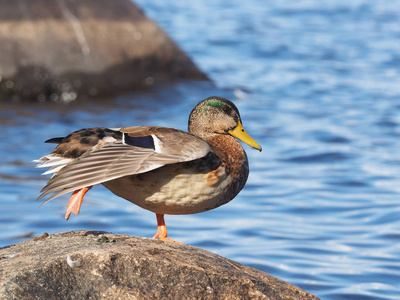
[75, 202]
[162, 230]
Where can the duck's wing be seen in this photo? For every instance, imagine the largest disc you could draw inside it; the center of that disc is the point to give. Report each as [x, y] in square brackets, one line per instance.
[140, 149]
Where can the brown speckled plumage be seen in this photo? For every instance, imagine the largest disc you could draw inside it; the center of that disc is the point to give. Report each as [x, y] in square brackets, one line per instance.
[83, 140]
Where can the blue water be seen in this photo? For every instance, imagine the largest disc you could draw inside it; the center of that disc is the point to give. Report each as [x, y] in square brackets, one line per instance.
[318, 86]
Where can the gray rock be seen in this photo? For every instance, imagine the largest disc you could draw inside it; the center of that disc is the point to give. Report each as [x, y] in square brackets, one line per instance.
[100, 265]
[64, 48]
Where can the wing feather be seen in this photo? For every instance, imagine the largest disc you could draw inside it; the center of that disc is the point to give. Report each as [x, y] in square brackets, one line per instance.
[116, 159]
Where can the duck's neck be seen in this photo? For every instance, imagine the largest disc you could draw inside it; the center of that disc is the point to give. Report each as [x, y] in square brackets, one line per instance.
[232, 155]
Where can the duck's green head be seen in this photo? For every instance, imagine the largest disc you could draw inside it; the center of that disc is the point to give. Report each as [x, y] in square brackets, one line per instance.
[217, 115]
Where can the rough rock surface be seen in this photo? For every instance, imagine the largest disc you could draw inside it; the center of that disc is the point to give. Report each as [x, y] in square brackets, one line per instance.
[100, 265]
[64, 48]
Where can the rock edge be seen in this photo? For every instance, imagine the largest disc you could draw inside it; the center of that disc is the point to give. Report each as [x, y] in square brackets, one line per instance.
[101, 265]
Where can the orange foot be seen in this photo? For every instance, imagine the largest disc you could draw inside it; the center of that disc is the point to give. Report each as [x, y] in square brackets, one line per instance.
[75, 202]
[162, 230]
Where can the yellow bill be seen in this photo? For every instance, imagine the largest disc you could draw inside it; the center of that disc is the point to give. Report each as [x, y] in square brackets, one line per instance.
[242, 135]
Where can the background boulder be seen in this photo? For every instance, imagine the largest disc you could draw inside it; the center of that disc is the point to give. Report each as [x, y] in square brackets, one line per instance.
[63, 49]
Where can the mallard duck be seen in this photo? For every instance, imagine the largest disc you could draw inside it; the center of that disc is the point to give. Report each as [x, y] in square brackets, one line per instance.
[161, 169]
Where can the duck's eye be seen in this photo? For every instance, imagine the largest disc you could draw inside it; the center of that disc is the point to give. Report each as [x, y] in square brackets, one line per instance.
[227, 110]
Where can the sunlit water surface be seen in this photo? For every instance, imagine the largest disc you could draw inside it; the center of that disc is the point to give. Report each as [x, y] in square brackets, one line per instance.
[318, 86]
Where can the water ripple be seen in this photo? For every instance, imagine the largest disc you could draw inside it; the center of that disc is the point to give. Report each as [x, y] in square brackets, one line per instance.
[329, 157]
